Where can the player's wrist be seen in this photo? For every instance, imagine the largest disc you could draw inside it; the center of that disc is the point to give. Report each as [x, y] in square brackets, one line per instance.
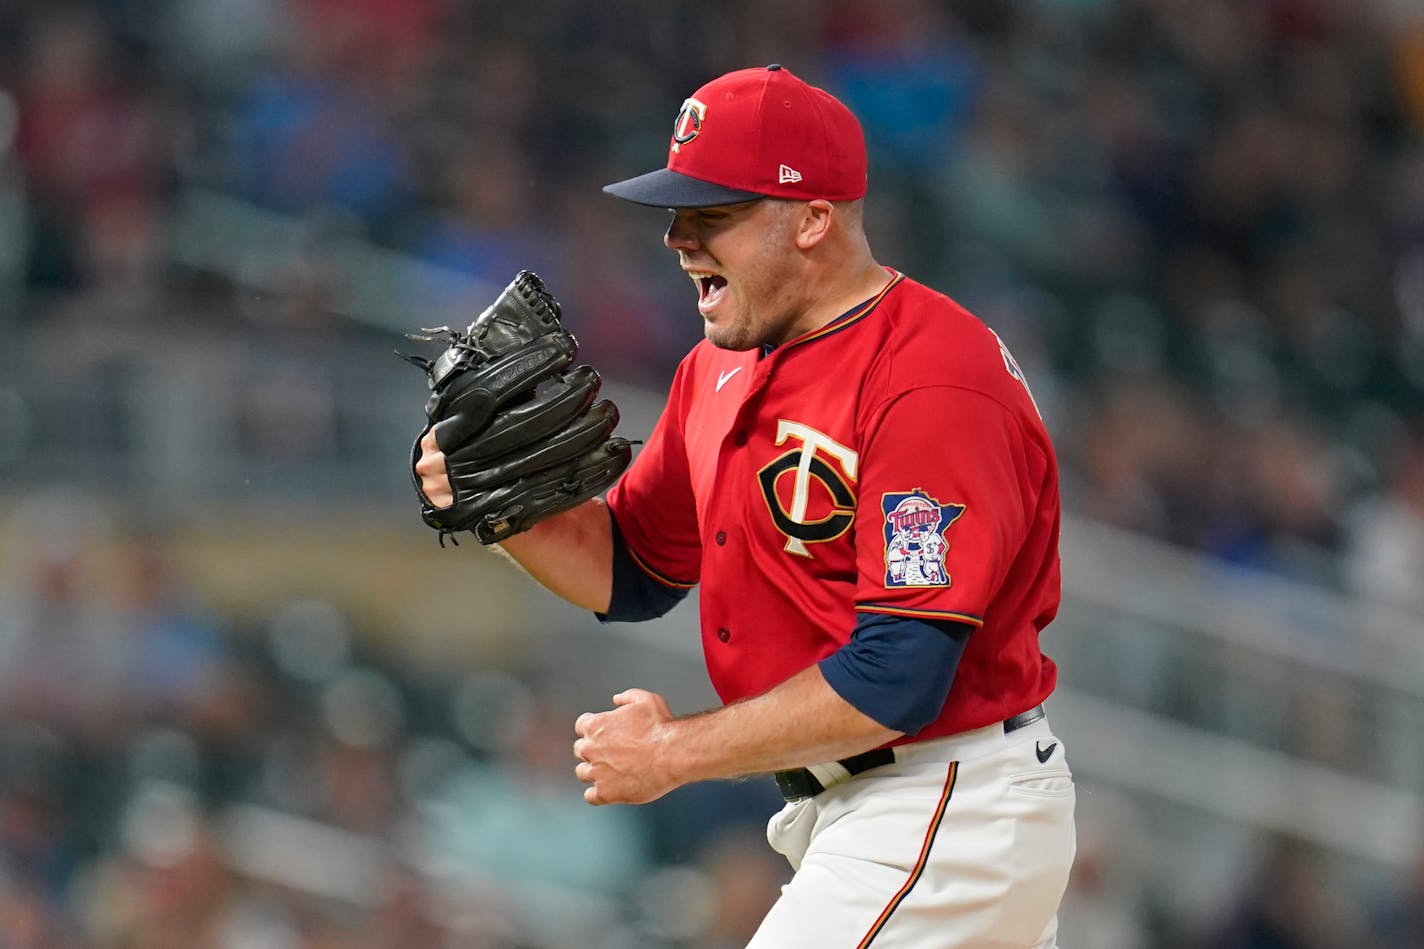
[670, 761]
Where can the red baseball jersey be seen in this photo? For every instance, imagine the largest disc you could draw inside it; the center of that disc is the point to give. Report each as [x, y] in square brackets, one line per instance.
[890, 462]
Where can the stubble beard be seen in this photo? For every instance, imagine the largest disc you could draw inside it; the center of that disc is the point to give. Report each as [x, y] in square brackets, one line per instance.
[767, 321]
[737, 337]
[750, 330]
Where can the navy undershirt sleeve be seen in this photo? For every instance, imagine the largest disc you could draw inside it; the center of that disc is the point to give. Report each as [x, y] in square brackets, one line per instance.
[636, 596]
[896, 669]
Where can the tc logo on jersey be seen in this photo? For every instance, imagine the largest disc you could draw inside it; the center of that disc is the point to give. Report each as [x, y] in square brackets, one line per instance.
[801, 518]
[914, 539]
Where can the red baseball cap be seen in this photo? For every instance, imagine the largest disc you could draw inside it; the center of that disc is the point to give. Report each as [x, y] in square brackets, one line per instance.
[756, 133]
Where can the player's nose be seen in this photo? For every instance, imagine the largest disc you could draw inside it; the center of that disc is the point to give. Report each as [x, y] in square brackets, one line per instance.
[680, 236]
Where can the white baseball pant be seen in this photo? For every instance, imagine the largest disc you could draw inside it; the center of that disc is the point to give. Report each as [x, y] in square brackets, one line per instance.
[964, 842]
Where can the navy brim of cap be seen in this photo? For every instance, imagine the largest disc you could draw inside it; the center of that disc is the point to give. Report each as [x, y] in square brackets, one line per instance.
[669, 189]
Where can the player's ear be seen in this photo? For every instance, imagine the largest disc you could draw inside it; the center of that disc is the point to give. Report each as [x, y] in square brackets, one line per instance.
[814, 223]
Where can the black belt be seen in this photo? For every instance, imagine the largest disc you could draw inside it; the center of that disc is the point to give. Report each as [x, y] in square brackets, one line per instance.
[798, 783]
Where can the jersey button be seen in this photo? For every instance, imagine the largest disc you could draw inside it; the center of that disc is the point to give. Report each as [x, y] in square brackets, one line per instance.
[724, 634]
[721, 538]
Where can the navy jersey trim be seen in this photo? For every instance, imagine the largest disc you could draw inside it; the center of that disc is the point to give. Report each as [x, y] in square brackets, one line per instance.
[897, 670]
[889, 610]
[852, 316]
[638, 592]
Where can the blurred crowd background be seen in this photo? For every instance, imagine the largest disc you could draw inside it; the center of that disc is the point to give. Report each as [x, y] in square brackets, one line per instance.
[229, 713]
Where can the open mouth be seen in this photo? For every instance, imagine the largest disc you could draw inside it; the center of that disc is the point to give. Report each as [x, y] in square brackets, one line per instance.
[710, 289]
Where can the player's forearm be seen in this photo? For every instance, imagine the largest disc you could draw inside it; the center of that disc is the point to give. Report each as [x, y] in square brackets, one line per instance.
[571, 554]
[800, 722]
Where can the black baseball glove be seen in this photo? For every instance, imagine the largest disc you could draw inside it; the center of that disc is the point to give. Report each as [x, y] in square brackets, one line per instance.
[522, 433]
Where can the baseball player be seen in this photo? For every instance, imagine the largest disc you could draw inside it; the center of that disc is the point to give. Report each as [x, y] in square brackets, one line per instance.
[852, 468]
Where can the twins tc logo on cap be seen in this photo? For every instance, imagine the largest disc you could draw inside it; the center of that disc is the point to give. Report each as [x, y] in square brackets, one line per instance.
[760, 133]
[688, 122]
[914, 538]
[688, 125]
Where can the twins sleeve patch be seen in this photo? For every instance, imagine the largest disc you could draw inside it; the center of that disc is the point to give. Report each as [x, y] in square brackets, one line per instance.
[914, 538]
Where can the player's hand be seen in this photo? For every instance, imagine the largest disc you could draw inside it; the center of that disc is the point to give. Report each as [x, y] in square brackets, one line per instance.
[622, 752]
[434, 479]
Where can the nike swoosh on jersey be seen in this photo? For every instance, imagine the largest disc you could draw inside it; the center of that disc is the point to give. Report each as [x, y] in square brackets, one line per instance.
[723, 377]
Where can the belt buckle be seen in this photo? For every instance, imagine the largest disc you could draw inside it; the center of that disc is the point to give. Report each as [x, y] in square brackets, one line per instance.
[797, 784]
